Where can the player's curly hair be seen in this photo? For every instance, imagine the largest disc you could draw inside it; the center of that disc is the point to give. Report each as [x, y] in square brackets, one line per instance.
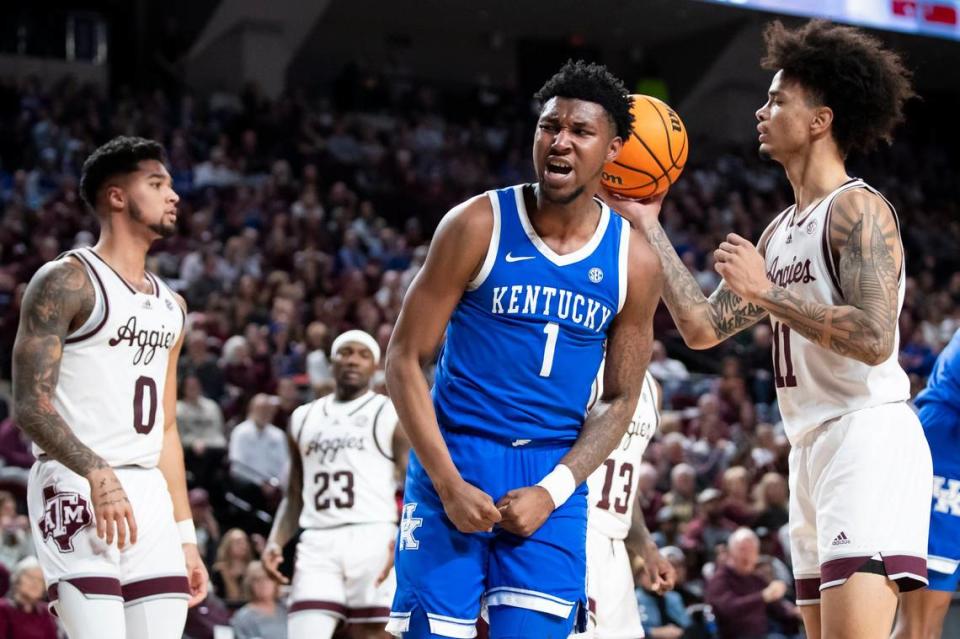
[592, 83]
[119, 156]
[847, 70]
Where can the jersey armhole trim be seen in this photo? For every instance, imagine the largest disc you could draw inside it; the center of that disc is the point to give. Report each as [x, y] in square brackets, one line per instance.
[100, 293]
[303, 422]
[376, 422]
[491, 258]
[623, 262]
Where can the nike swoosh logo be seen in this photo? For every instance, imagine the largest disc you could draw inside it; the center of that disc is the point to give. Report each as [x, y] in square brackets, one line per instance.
[521, 442]
[510, 258]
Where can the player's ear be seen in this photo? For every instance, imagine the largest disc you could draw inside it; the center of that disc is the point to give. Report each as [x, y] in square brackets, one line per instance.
[822, 120]
[115, 197]
[614, 149]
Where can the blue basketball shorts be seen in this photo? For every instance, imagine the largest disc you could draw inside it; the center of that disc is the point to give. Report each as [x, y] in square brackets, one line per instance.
[942, 428]
[449, 576]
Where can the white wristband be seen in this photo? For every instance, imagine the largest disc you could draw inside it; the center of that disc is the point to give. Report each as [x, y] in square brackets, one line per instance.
[188, 534]
[560, 483]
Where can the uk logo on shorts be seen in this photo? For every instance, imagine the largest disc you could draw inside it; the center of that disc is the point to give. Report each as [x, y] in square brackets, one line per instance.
[409, 524]
[946, 495]
[64, 515]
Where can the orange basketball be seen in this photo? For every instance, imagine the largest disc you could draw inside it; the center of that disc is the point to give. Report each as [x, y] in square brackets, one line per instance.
[654, 156]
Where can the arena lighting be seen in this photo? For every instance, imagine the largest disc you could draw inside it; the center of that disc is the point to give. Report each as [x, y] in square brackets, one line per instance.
[938, 18]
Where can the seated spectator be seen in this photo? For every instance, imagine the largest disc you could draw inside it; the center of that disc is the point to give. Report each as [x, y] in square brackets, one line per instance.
[15, 537]
[200, 422]
[690, 590]
[772, 502]
[650, 498]
[671, 373]
[736, 491]
[24, 615]
[288, 399]
[259, 456]
[662, 616]
[264, 616]
[318, 366]
[15, 456]
[710, 527]
[208, 529]
[198, 360]
[683, 492]
[743, 601]
[226, 575]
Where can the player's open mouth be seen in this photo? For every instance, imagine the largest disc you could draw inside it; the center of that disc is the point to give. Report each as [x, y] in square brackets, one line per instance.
[557, 173]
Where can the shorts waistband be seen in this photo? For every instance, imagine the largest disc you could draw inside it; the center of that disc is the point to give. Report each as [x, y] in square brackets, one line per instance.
[519, 442]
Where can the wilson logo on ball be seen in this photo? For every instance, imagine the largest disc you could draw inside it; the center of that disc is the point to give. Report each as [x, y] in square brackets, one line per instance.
[654, 155]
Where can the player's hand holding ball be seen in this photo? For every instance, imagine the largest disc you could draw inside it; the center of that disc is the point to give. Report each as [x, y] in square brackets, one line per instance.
[525, 509]
[111, 508]
[640, 213]
[740, 264]
[469, 508]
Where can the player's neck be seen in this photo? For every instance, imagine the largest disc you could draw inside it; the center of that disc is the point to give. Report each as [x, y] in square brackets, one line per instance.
[814, 175]
[125, 254]
[563, 221]
[349, 394]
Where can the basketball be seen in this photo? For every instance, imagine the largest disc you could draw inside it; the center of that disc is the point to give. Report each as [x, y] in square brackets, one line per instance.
[654, 156]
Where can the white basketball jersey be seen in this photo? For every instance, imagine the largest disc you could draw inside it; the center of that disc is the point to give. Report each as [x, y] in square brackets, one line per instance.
[113, 371]
[613, 486]
[814, 384]
[348, 466]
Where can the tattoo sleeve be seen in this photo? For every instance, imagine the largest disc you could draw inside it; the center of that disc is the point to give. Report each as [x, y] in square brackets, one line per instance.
[59, 294]
[864, 234]
[703, 322]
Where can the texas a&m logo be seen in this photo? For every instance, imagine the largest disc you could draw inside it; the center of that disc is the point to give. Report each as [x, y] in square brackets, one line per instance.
[64, 515]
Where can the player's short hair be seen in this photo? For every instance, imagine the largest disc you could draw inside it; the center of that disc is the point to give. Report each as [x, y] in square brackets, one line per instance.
[592, 83]
[847, 70]
[119, 156]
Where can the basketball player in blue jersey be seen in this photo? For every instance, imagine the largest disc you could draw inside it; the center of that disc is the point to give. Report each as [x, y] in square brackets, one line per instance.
[922, 611]
[529, 283]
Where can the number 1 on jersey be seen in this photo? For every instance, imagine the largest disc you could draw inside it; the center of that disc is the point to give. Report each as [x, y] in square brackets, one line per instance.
[789, 380]
[552, 329]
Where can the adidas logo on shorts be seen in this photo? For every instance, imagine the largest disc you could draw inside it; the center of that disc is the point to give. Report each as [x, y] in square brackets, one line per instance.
[841, 539]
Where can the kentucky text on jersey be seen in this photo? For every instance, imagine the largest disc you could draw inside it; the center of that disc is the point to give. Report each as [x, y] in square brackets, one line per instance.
[526, 339]
[539, 300]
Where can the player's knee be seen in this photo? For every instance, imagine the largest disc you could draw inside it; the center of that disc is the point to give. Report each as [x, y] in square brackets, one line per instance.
[510, 622]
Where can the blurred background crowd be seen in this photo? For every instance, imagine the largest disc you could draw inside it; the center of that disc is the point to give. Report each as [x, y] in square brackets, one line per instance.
[309, 213]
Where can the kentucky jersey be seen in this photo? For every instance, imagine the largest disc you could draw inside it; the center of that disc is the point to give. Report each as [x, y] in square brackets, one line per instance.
[113, 371]
[348, 467]
[613, 485]
[526, 339]
[815, 384]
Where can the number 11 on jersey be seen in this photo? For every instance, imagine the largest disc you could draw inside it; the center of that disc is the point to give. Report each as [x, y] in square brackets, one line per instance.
[552, 329]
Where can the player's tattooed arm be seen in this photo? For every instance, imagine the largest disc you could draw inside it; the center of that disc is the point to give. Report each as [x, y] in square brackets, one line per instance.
[864, 234]
[703, 322]
[59, 298]
[629, 345]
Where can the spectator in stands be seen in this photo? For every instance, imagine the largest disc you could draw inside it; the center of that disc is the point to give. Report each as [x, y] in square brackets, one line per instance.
[200, 422]
[15, 455]
[743, 602]
[737, 506]
[204, 521]
[683, 492]
[199, 361]
[264, 615]
[650, 498]
[710, 527]
[24, 615]
[259, 455]
[771, 502]
[662, 616]
[234, 553]
[690, 590]
[288, 399]
[15, 538]
[671, 373]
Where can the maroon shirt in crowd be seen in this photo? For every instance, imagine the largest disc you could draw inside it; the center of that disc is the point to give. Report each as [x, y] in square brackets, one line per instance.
[17, 623]
[738, 605]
